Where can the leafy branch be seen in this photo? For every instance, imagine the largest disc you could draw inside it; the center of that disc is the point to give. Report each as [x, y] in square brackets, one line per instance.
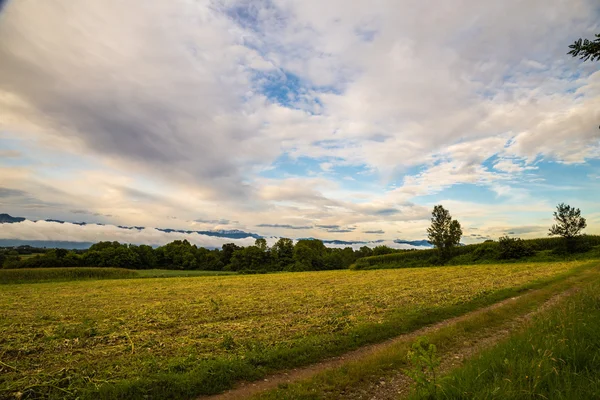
[586, 49]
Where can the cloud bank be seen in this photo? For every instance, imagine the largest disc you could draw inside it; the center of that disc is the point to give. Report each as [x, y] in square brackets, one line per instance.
[294, 116]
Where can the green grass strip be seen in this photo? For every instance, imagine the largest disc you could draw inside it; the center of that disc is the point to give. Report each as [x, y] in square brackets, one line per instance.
[557, 357]
[33, 275]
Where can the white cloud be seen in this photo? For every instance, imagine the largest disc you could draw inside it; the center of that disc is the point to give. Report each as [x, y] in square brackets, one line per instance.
[144, 110]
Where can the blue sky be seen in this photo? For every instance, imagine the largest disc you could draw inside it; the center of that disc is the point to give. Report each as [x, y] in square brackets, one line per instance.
[334, 120]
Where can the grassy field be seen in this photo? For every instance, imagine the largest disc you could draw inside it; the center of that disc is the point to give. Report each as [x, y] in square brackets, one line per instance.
[32, 275]
[179, 337]
[364, 375]
[557, 357]
[171, 273]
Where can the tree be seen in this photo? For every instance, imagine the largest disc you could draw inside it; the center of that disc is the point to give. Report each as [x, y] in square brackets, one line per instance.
[308, 255]
[227, 253]
[251, 258]
[261, 244]
[282, 253]
[382, 250]
[364, 251]
[61, 253]
[569, 222]
[179, 254]
[586, 49]
[146, 254]
[444, 232]
[209, 260]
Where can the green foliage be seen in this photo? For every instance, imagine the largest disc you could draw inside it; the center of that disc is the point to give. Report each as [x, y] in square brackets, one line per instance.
[513, 248]
[444, 232]
[282, 254]
[569, 222]
[586, 49]
[306, 255]
[179, 254]
[57, 274]
[544, 250]
[424, 362]
[555, 358]
[209, 260]
[364, 251]
[249, 258]
[261, 244]
[382, 250]
[227, 253]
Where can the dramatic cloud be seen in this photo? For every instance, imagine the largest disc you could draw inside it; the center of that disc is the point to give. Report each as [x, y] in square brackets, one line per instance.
[332, 119]
[6, 192]
[283, 226]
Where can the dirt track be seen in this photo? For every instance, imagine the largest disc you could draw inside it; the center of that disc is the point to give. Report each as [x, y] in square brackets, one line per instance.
[391, 386]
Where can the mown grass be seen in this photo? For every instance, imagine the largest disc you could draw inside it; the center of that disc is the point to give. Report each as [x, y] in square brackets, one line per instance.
[557, 357]
[354, 376]
[180, 337]
[30, 275]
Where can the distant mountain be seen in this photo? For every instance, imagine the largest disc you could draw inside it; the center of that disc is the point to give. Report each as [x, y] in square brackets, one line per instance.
[7, 219]
[422, 243]
[50, 244]
[419, 243]
[229, 234]
[139, 228]
[58, 221]
[223, 233]
[344, 242]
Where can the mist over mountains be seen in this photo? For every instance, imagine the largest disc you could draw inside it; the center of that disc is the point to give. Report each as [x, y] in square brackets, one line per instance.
[80, 235]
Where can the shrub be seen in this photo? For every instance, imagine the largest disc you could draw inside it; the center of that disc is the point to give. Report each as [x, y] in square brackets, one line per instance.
[513, 248]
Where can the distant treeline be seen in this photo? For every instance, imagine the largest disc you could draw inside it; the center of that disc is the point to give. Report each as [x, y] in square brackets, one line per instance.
[284, 255]
[505, 249]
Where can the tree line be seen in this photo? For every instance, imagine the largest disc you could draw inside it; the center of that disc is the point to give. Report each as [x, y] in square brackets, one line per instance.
[444, 234]
[284, 255]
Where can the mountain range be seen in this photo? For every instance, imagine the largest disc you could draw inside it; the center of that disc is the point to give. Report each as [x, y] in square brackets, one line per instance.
[229, 234]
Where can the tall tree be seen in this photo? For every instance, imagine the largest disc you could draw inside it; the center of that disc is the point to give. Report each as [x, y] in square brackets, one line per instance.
[227, 253]
[586, 49]
[261, 244]
[282, 253]
[569, 222]
[444, 232]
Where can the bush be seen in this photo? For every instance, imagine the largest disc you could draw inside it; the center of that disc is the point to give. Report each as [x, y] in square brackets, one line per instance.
[486, 251]
[513, 248]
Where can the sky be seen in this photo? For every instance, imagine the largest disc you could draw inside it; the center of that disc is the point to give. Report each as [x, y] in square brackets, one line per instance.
[334, 120]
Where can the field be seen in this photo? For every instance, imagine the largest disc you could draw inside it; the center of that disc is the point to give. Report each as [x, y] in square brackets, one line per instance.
[554, 358]
[170, 273]
[181, 337]
[29, 275]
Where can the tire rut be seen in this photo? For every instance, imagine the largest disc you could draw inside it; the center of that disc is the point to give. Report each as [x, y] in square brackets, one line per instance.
[391, 386]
